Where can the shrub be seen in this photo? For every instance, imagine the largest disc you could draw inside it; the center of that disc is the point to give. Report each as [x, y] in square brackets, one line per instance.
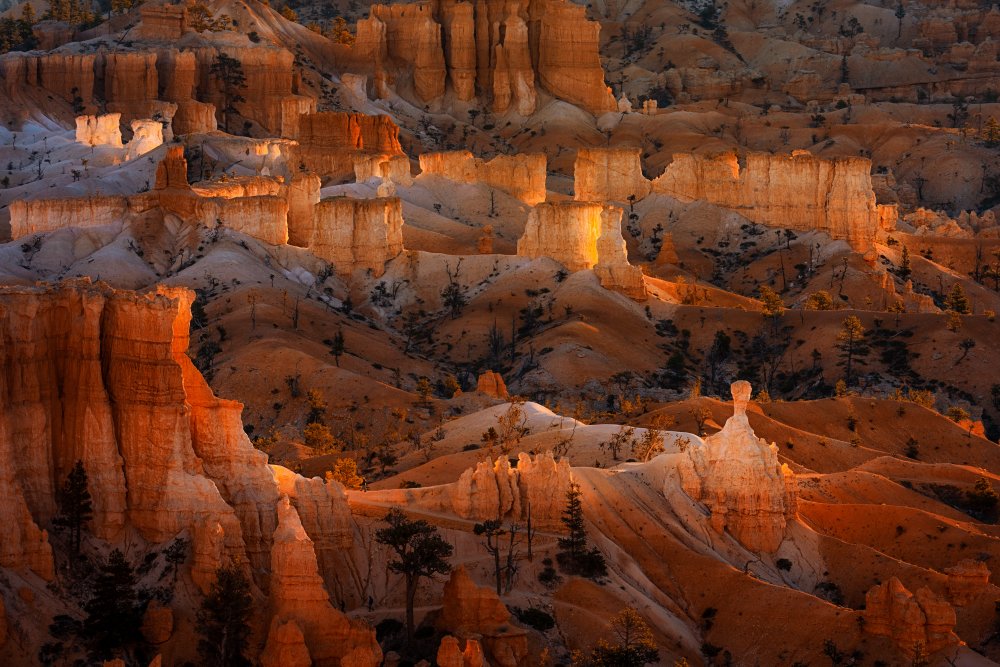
[536, 618]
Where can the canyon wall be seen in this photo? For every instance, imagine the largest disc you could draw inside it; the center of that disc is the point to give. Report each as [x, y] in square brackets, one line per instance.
[736, 475]
[330, 143]
[103, 130]
[609, 175]
[355, 234]
[521, 176]
[263, 216]
[498, 51]
[101, 376]
[798, 191]
[580, 236]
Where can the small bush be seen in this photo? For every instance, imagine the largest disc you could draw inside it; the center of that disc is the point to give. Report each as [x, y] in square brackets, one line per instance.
[535, 618]
[784, 564]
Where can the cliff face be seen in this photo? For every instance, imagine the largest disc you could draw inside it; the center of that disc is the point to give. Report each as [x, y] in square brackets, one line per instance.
[356, 233]
[736, 475]
[497, 50]
[581, 236]
[298, 594]
[494, 489]
[330, 143]
[797, 191]
[263, 216]
[609, 175]
[910, 620]
[521, 176]
[100, 130]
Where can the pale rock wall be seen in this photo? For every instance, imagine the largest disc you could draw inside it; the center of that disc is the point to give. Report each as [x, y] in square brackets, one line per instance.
[910, 620]
[356, 234]
[521, 176]
[494, 489]
[798, 191]
[103, 130]
[736, 475]
[38, 216]
[609, 175]
[580, 236]
[147, 135]
[298, 594]
[381, 167]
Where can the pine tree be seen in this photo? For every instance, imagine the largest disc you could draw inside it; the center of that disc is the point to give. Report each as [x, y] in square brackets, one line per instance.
[574, 556]
[76, 508]
[851, 343]
[634, 644]
[224, 619]
[991, 133]
[228, 71]
[418, 552]
[113, 615]
[957, 301]
[337, 346]
[905, 271]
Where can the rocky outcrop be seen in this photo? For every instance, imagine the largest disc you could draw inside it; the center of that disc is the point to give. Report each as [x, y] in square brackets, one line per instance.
[966, 581]
[491, 383]
[100, 130]
[474, 611]
[298, 594]
[355, 234]
[264, 217]
[494, 489]
[580, 236]
[921, 620]
[69, 76]
[521, 176]
[798, 191]
[286, 646]
[609, 175]
[330, 143]
[736, 475]
[450, 654]
[147, 135]
[208, 548]
[131, 83]
[497, 50]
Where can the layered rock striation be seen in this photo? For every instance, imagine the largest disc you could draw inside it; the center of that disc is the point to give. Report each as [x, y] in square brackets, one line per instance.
[921, 621]
[332, 143]
[521, 176]
[736, 475]
[798, 191]
[492, 489]
[503, 52]
[581, 236]
[609, 175]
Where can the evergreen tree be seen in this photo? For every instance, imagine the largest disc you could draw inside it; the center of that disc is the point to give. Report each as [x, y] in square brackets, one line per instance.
[957, 301]
[634, 645]
[337, 346]
[574, 556]
[75, 506]
[991, 133]
[111, 627]
[224, 619]
[905, 271]
[851, 343]
[418, 552]
[228, 72]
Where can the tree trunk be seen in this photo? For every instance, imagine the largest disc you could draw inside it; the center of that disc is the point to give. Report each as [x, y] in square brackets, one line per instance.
[411, 594]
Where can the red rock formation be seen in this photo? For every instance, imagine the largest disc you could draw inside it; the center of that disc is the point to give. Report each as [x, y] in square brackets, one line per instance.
[157, 623]
[330, 142]
[131, 83]
[355, 233]
[798, 191]
[493, 489]
[521, 176]
[451, 655]
[569, 62]
[492, 384]
[966, 581]
[609, 175]
[738, 477]
[298, 593]
[286, 646]
[582, 236]
[474, 611]
[923, 620]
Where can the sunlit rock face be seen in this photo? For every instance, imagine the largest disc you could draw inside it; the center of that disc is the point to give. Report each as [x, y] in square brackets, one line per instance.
[298, 594]
[521, 176]
[99, 375]
[580, 236]
[499, 51]
[100, 130]
[736, 475]
[538, 485]
[911, 620]
[609, 175]
[798, 191]
[355, 234]
[330, 143]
